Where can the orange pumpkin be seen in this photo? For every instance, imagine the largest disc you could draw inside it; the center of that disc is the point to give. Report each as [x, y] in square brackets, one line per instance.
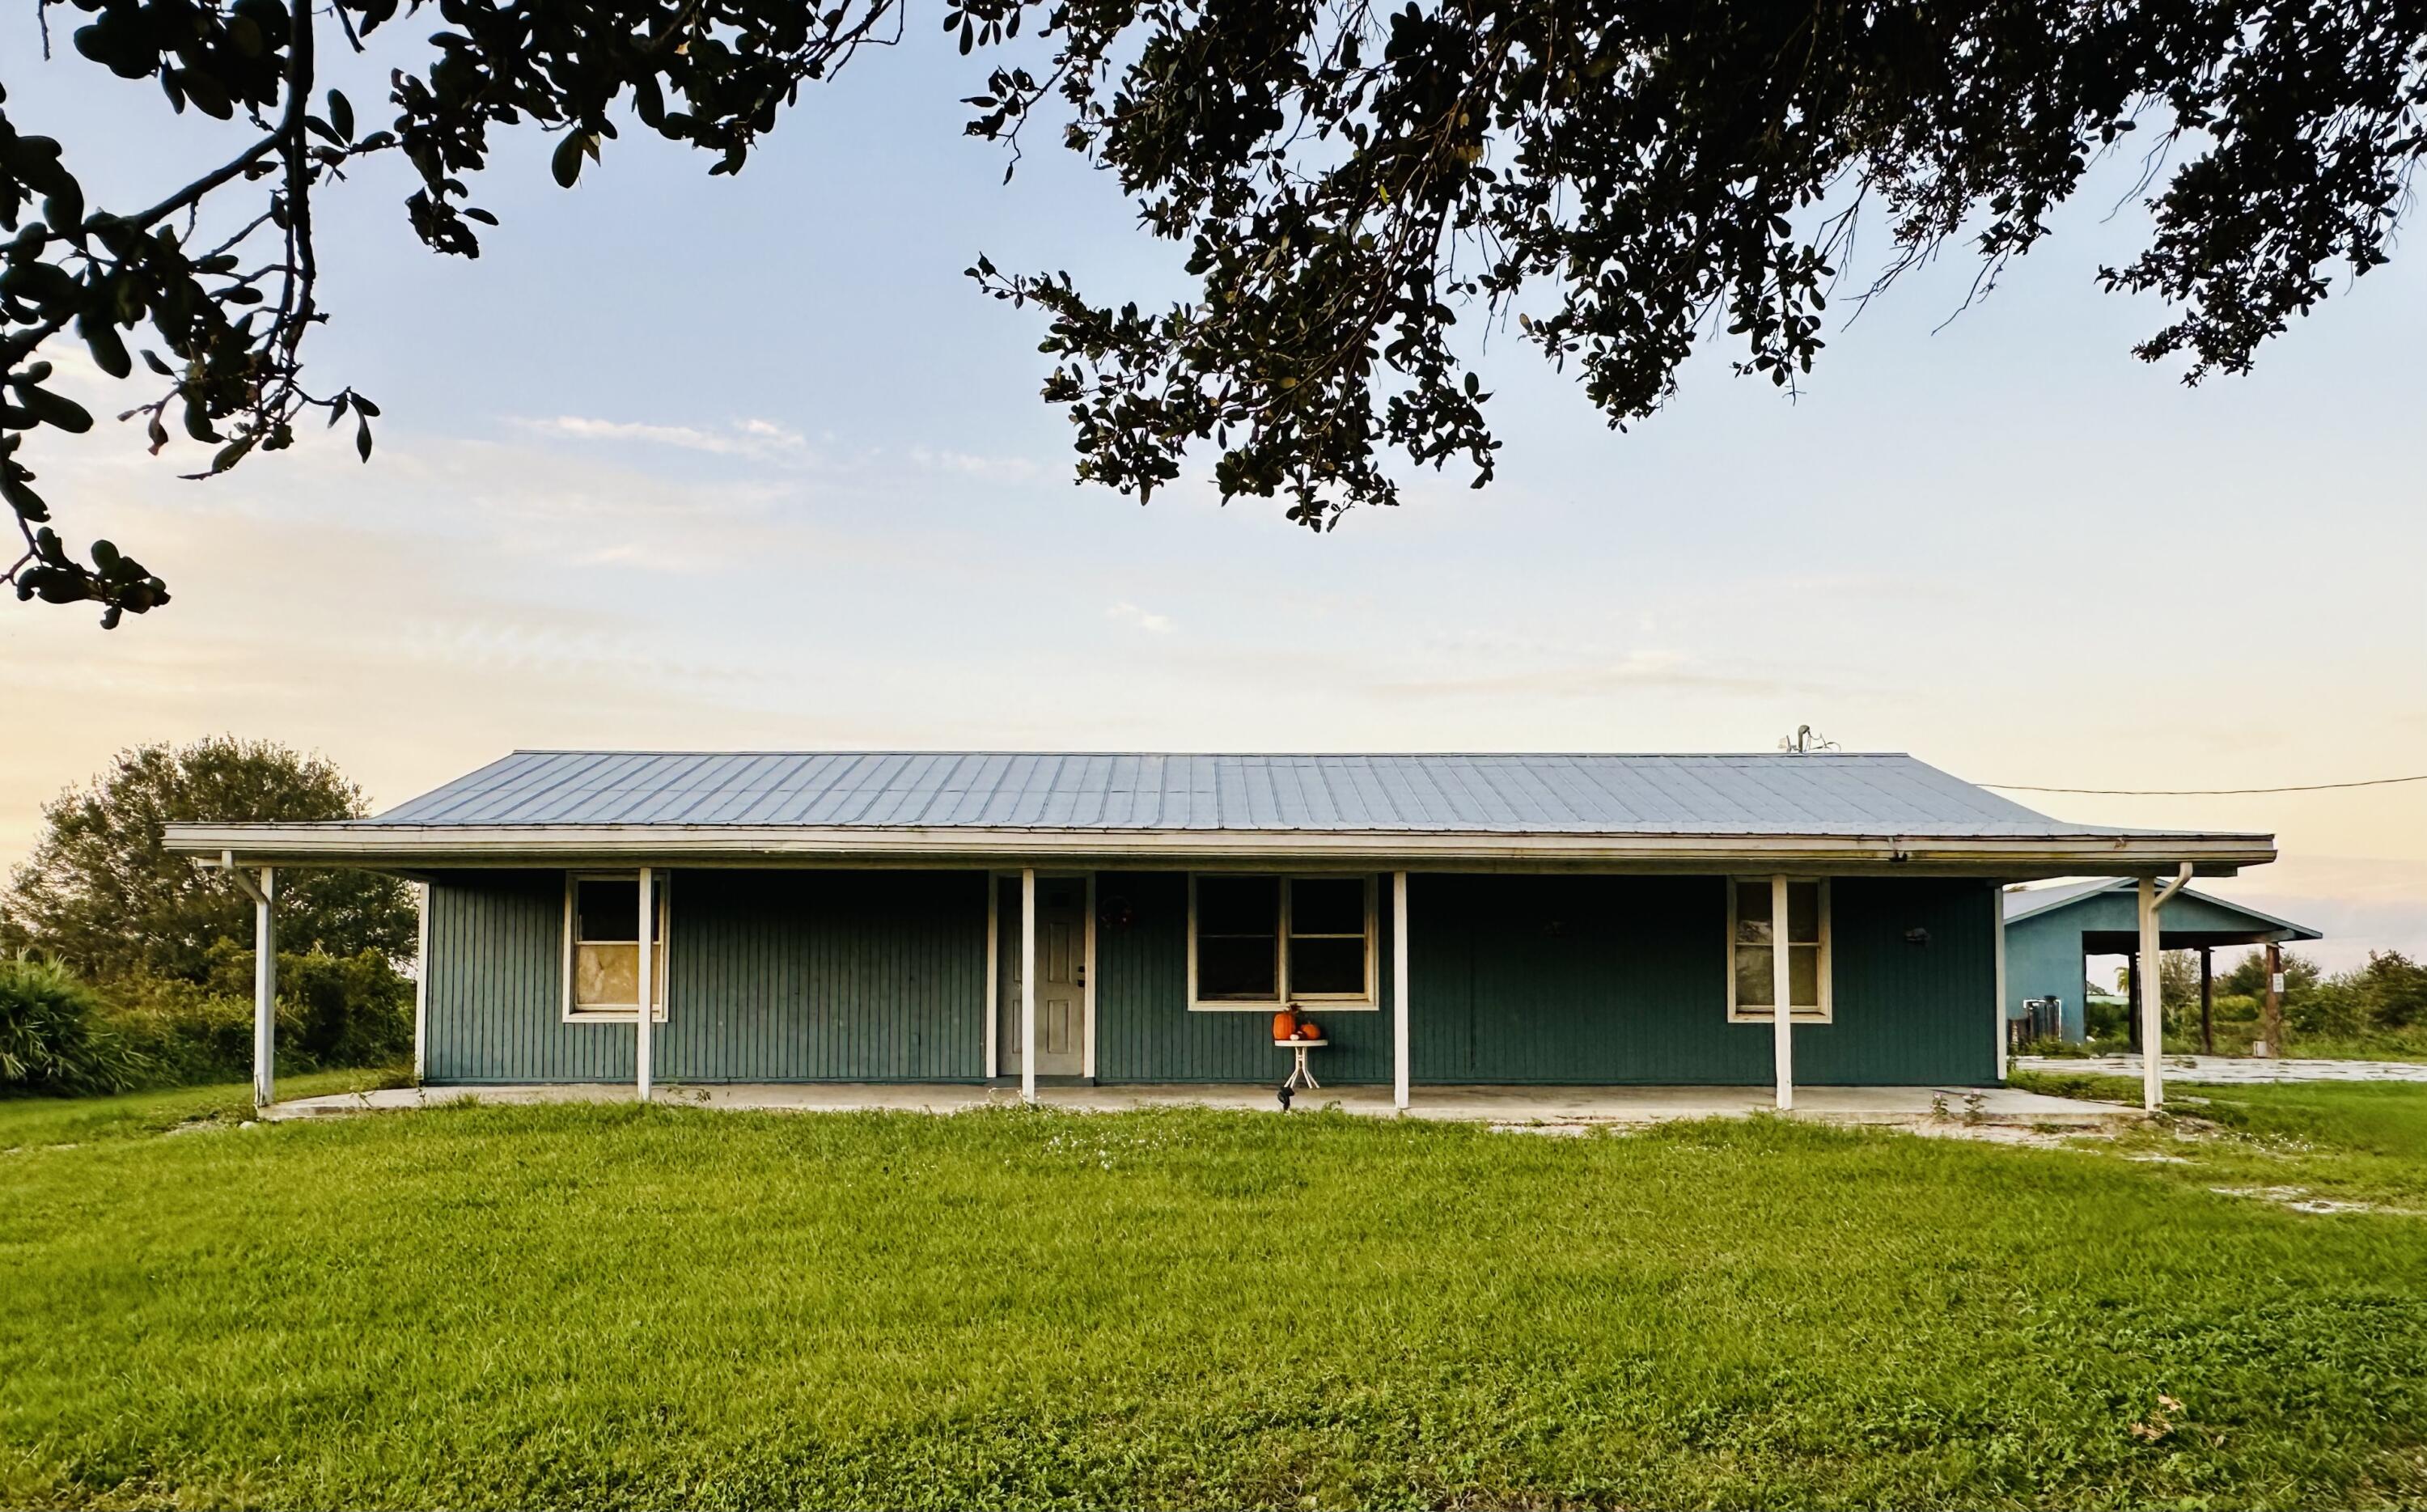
[1307, 1030]
[1285, 1025]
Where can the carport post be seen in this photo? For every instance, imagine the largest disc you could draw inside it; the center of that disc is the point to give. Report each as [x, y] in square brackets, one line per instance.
[1399, 1049]
[1781, 996]
[2270, 1011]
[2207, 1002]
[1027, 985]
[647, 981]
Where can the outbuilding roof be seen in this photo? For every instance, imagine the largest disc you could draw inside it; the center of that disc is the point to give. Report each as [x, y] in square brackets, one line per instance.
[2219, 915]
[1885, 807]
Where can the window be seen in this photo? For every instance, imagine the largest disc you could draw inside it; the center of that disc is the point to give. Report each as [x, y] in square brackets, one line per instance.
[1258, 942]
[1755, 940]
[602, 927]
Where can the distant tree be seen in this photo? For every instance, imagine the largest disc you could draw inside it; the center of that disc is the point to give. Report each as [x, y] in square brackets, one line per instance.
[2248, 978]
[2391, 989]
[1615, 183]
[2178, 979]
[101, 893]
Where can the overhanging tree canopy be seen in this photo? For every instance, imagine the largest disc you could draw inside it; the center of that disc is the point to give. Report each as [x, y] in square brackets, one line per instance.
[1621, 180]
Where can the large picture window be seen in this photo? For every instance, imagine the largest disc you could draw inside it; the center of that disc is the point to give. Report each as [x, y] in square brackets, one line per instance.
[1258, 942]
[602, 928]
[1756, 934]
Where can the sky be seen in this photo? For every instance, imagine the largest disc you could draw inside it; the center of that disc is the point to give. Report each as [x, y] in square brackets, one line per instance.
[685, 462]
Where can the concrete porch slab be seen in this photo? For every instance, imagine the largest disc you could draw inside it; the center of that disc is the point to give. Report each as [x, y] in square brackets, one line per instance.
[2006, 1106]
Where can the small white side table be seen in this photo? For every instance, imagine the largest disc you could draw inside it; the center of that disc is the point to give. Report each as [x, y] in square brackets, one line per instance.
[1300, 1076]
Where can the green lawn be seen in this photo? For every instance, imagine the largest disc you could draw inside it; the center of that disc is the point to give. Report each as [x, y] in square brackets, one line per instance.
[612, 1305]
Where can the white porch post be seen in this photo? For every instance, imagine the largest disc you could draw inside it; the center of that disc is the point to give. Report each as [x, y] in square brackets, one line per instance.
[265, 989]
[1998, 923]
[1027, 985]
[1400, 1057]
[421, 986]
[643, 1019]
[993, 986]
[1782, 1013]
[2152, 1020]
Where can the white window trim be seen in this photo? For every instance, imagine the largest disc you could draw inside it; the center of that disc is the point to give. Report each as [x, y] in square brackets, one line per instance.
[1367, 1002]
[1760, 1013]
[573, 1015]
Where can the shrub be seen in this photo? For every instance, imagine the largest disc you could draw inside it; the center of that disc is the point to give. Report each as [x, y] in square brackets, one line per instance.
[52, 1037]
[190, 1034]
[332, 1010]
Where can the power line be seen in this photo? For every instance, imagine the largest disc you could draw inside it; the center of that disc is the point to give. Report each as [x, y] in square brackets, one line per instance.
[2202, 793]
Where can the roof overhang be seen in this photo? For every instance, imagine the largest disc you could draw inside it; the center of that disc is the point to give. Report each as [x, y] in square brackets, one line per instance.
[420, 849]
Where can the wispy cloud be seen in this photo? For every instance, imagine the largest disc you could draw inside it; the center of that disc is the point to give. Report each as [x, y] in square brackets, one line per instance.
[750, 437]
[990, 469]
[1144, 619]
[1667, 670]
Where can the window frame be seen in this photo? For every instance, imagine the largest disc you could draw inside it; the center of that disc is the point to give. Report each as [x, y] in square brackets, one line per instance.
[573, 1013]
[1763, 1012]
[1368, 1000]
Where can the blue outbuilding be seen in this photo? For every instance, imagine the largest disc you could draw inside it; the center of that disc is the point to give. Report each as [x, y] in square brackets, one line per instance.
[2050, 929]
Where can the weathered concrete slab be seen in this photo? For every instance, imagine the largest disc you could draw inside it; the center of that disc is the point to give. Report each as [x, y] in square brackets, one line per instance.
[2227, 1070]
[1478, 1104]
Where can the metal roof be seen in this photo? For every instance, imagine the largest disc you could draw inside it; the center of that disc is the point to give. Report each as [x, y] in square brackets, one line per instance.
[1829, 794]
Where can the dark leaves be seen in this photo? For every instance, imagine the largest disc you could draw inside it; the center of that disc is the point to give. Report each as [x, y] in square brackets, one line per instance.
[1344, 185]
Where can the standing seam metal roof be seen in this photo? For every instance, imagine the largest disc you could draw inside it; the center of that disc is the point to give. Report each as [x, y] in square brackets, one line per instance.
[1822, 793]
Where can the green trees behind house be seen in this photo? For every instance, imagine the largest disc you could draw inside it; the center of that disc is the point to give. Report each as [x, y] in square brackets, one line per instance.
[127, 965]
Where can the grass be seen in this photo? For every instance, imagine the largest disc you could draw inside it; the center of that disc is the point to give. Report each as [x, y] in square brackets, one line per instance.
[616, 1305]
[39, 1122]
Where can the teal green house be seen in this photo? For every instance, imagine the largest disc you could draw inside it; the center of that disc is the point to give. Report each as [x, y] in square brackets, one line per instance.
[2049, 931]
[1024, 917]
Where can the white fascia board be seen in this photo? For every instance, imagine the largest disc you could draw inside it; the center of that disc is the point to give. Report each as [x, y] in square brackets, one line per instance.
[444, 846]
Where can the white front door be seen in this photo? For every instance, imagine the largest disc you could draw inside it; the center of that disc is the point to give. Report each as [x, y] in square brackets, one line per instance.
[1061, 978]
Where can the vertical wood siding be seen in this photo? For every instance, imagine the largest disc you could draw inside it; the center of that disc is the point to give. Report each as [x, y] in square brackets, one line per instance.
[880, 976]
[1622, 980]
[1573, 979]
[771, 976]
[497, 985]
[1908, 1013]
[1145, 1031]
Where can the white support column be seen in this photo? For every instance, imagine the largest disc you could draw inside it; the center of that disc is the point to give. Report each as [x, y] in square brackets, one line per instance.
[265, 989]
[1782, 1012]
[993, 978]
[1087, 989]
[1998, 923]
[1401, 1057]
[2153, 1018]
[644, 1021]
[421, 984]
[1027, 985]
